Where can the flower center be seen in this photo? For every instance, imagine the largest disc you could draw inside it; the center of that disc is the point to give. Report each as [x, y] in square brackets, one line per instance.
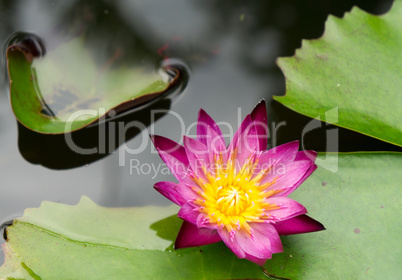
[233, 198]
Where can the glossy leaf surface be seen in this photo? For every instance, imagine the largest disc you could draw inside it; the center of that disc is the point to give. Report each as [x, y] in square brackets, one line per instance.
[359, 205]
[357, 202]
[87, 241]
[351, 76]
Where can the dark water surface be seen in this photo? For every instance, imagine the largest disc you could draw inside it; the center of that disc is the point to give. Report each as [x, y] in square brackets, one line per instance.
[230, 49]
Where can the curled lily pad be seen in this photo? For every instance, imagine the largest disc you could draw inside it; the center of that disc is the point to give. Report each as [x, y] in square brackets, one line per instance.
[67, 89]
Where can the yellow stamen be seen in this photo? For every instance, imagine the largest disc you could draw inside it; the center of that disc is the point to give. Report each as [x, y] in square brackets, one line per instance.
[232, 199]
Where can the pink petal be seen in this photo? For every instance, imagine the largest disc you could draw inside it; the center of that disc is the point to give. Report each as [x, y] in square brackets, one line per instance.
[245, 140]
[174, 156]
[166, 146]
[289, 208]
[281, 154]
[186, 192]
[168, 190]
[259, 117]
[192, 236]
[205, 121]
[197, 154]
[298, 224]
[298, 183]
[285, 152]
[271, 232]
[255, 260]
[203, 222]
[245, 125]
[259, 246]
[286, 177]
[188, 213]
[216, 145]
[231, 243]
[306, 155]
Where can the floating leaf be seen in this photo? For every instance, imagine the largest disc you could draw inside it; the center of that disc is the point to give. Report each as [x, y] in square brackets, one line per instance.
[66, 89]
[87, 241]
[360, 208]
[358, 204]
[356, 67]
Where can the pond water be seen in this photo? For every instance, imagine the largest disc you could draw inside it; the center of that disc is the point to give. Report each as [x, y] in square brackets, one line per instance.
[228, 49]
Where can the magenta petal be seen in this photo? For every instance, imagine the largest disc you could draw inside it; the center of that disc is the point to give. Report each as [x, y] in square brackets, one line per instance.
[245, 141]
[203, 222]
[232, 244]
[285, 152]
[188, 213]
[174, 156]
[195, 147]
[259, 245]
[289, 208]
[259, 117]
[197, 154]
[192, 236]
[244, 127]
[298, 224]
[270, 231]
[205, 121]
[302, 179]
[279, 155]
[168, 190]
[166, 146]
[255, 260]
[216, 144]
[286, 177]
[187, 192]
[306, 155]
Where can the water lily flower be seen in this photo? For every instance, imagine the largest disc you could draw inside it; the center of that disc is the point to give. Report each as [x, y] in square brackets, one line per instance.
[237, 194]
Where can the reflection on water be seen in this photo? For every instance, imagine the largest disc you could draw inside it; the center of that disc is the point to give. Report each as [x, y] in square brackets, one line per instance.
[230, 47]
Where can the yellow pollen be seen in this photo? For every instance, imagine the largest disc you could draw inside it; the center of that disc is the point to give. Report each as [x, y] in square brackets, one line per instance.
[232, 199]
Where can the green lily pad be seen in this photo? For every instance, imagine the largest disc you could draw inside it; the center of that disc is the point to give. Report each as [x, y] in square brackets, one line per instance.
[67, 89]
[360, 208]
[358, 205]
[356, 67]
[87, 241]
